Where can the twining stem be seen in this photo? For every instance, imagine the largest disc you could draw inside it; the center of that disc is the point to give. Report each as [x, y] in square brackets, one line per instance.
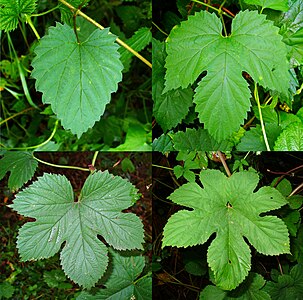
[256, 94]
[120, 42]
[224, 163]
[60, 166]
[40, 145]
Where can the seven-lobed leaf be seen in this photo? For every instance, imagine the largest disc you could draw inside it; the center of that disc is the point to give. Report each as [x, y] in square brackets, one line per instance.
[198, 45]
[229, 208]
[59, 219]
[77, 79]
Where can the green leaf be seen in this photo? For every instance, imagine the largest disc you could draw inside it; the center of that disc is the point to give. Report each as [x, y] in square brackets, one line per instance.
[163, 144]
[11, 10]
[288, 286]
[137, 42]
[56, 279]
[171, 107]
[198, 139]
[254, 139]
[136, 139]
[21, 165]
[77, 79]
[123, 282]
[250, 289]
[197, 45]
[273, 4]
[291, 139]
[6, 290]
[229, 208]
[59, 219]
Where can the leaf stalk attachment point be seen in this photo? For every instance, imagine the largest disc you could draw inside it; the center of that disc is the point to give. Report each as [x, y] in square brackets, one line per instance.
[120, 42]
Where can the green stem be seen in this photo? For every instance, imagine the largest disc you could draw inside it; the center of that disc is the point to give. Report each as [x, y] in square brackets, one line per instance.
[21, 73]
[60, 166]
[95, 157]
[139, 279]
[120, 42]
[30, 23]
[298, 92]
[162, 167]
[40, 145]
[45, 12]
[224, 27]
[159, 28]
[256, 94]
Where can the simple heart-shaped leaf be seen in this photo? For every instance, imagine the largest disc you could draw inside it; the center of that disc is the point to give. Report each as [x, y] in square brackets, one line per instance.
[198, 45]
[77, 79]
[229, 208]
[59, 219]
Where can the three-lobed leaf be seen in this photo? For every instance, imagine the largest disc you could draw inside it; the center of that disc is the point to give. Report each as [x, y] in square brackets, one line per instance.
[77, 79]
[198, 45]
[59, 219]
[229, 208]
[21, 166]
[11, 10]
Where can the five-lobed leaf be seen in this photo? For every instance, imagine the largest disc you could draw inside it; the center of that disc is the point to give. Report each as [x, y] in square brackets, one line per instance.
[198, 45]
[229, 208]
[59, 219]
[21, 166]
[11, 10]
[77, 79]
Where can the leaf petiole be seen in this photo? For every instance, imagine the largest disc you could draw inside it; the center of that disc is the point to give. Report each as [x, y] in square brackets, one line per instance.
[60, 166]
